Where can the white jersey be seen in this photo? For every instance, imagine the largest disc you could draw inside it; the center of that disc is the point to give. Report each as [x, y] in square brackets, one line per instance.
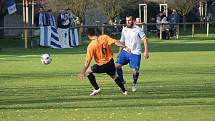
[132, 38]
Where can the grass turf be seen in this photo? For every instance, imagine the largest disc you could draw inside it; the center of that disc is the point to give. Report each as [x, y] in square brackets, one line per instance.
[176, 83]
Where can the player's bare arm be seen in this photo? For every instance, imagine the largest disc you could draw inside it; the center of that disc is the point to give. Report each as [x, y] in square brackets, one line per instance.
[146, 52]
[120, 49]
[121, 45]
[86, 66]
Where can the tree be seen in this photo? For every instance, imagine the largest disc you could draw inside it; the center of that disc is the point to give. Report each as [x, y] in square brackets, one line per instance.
[54, 5]
[110, 8]
[114, 8]
[156, 1]
[183, 6]
[78, 7]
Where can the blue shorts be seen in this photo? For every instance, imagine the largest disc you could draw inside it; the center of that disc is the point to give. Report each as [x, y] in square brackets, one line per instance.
[124, 58]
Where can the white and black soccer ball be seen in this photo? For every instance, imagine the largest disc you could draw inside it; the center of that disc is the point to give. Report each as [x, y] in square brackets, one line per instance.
[46, 59]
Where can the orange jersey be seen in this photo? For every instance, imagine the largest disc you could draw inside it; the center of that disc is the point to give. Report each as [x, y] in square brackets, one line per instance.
[100, 50]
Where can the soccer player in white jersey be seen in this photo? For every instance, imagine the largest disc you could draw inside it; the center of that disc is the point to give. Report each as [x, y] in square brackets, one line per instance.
[132, 35]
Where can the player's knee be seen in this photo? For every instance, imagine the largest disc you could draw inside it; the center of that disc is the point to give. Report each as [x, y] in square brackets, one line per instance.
[118, 66]
[88, 72]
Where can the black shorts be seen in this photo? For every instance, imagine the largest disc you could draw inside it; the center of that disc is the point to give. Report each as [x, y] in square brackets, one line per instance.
[108, 68]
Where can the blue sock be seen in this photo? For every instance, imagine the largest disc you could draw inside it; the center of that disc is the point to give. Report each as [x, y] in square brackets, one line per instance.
[135, 77]
[120, 74]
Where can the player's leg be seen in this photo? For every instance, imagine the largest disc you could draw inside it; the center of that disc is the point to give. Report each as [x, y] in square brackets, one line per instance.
[135, 75]
[122, 59]
[135, 65]
[92, 79]
[135, 78]
[119, 83]
[120, 72]
[111, 71]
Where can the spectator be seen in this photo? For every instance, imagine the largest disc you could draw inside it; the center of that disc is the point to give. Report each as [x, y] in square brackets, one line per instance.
[59, 23]
[164, 14]
[174, 18]
[62, 20]
[209, 17]
[41, 18]
[158, 21]
[70, 18]
[51, 18]
[117, 20]
[161, 15]
[165, 24]
[137, 21]
[166, 29]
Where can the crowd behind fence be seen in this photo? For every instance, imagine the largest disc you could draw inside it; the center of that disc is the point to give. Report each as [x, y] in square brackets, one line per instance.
[204, 28]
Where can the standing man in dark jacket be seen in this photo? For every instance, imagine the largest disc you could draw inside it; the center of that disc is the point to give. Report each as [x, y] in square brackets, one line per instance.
[41, 18]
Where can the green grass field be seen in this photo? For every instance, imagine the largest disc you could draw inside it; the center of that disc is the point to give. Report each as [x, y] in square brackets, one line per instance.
[177, 83]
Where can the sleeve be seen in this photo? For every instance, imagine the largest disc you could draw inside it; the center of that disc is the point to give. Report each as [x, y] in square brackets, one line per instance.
[111, 40]
[141, 33]
[122, 39]
[89, 55]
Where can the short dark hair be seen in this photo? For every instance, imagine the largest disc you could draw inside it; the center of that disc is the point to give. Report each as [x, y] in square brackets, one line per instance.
[129, 14]
[91, 32]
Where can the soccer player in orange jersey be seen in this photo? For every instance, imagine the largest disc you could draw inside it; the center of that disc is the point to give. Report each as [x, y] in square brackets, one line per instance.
[100, 49]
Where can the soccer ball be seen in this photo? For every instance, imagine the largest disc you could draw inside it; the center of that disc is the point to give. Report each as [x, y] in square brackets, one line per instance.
[46, 59]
